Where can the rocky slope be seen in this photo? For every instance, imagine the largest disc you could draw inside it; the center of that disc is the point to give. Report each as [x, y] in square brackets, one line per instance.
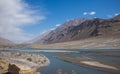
[79, 29]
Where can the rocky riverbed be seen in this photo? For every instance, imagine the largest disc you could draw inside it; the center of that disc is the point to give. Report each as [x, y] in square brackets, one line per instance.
[21, 63]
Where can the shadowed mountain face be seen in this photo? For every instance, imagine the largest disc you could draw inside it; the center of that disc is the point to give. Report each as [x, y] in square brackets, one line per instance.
[5, 42]
[78, 29]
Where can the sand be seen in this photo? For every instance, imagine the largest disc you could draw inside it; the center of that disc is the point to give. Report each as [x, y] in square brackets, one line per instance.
[98, 64]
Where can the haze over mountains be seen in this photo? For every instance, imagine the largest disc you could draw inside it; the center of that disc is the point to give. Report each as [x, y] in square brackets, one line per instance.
[79, 29]
[5, 42]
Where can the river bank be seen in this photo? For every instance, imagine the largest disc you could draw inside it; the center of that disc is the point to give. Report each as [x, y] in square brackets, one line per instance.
[93, 63]
[19, 62]
[112, 54]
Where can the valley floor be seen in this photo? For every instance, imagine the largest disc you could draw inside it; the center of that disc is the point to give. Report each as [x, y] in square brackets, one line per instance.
[90, 43]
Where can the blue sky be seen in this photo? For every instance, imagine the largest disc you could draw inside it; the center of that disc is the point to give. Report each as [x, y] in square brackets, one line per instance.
[23, 20]
[58, 11]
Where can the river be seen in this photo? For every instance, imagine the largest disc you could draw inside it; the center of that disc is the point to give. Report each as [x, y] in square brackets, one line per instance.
[67, 67]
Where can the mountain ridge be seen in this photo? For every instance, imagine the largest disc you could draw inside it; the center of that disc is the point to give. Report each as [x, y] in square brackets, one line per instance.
[78, 29]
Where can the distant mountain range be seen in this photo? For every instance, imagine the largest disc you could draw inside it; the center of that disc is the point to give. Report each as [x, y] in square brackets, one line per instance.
[78, 29]
[5, 42]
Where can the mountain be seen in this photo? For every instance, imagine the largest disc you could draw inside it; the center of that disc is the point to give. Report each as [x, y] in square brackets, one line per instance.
[79, 29]
[5, 42]
[117, 17]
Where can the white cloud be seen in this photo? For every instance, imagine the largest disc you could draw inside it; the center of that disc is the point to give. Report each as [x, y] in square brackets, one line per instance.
[43, 32]
[92, 13]
[112, 15]
[15, 14]
[85, 13]
[89, 13]
[95, 17]
[57, 25]
[116, 14]
[52, 29]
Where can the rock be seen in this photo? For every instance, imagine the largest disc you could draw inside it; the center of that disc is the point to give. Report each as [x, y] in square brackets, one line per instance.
[13, 69]
[3, 66]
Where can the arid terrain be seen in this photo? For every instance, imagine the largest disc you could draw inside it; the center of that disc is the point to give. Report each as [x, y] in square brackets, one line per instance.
[90, 43]
[12, 62]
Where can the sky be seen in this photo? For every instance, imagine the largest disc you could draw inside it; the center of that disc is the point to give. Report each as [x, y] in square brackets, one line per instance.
[23, 20]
